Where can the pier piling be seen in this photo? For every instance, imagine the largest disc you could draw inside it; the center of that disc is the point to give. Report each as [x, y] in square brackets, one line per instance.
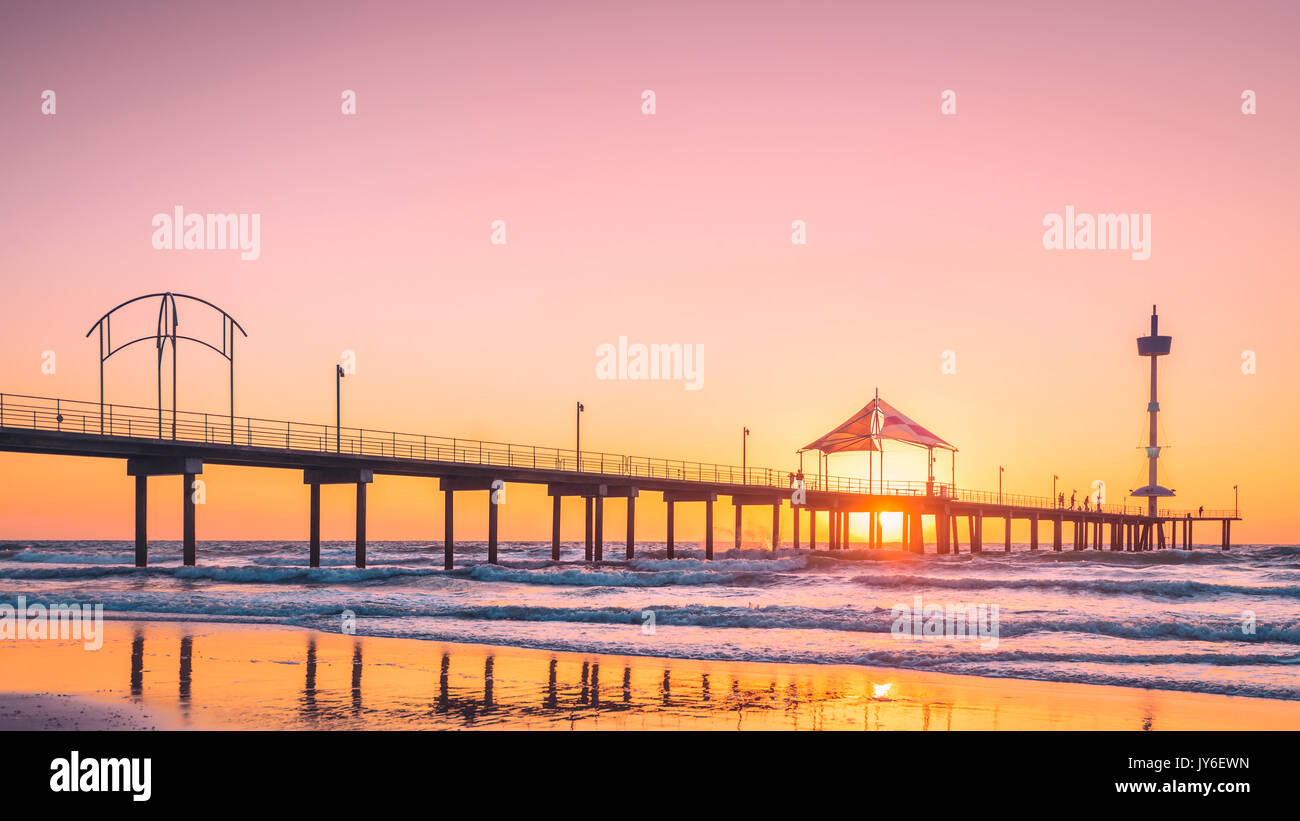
[669, 543]
[188, 542]
[448, 521]
[631, 527]
[555, 527]
[599, 544]
[708, 529]
[141, 521]
[313, 527]
[361, 524]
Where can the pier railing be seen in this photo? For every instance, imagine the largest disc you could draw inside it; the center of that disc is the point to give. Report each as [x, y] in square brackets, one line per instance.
[130, 421]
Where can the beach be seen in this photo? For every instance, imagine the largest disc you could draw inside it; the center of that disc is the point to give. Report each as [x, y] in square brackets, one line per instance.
[193, 675]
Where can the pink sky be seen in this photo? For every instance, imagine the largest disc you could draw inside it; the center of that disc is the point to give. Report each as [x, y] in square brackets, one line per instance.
[924, 233]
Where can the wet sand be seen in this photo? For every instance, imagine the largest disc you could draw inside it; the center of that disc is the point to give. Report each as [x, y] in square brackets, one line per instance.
[179, 675]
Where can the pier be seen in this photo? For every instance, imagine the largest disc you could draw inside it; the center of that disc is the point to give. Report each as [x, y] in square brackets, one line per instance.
[30, 424]
[169, 442]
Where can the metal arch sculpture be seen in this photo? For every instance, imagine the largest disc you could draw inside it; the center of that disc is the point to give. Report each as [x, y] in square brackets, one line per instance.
[168, 321]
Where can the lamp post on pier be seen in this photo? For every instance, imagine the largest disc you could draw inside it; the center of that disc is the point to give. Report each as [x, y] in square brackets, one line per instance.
[744, 457]
[338, 408]
[578, 442]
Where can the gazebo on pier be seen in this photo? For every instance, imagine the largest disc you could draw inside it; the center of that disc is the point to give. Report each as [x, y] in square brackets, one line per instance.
[867, 431]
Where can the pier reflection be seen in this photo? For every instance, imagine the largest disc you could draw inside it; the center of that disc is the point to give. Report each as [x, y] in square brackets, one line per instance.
[185, 677]
[329, 681]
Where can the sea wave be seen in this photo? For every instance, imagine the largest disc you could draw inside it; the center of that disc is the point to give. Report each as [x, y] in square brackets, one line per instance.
[1169, 588]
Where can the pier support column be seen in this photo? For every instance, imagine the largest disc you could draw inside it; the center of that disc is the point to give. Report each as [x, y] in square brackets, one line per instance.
[845, 544]
[795, 515]
[631, 527]
[1227, 539]
[739, 519]
[670, 530]
[941, 532]
[708, 529]
[776, 526]
[905, 542]
[879, 530]
[142, 468]
[313, 530]
[361, 524]
[494, 509]
[812, 529]
[188, 546]
[555, 527]
[977, 534]
[587, 551]
[1007, 544]
[956, 536]
[1056, 534]
[141, 521]
[448, 528]
[599, 545]
[1033, 533]
[341, 476]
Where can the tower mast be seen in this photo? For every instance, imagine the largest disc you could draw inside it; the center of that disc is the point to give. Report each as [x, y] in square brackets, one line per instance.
[1153, 346]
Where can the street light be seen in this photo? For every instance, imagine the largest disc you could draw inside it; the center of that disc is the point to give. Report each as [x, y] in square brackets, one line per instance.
[578, 445]
[1001, 470]
[1235, 498]
[744, 457]
[338, 406]
[1054, 478]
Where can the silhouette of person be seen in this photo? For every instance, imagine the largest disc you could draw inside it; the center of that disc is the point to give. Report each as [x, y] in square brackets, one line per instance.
[1085, 503]
[1201, 511]
[1060, 499]
[1072, 499]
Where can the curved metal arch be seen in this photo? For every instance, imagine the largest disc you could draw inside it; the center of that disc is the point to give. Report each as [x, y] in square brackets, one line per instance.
[172, 295]
[168, 322]
[154, 337]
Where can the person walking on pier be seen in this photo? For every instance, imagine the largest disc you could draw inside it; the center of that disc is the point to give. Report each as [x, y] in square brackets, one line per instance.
[1200, 512]
[1060, 499]
[1072, 499]
[1085, 504]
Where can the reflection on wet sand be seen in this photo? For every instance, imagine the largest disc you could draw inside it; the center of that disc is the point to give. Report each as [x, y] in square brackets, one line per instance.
[467, 703]
[287, 678]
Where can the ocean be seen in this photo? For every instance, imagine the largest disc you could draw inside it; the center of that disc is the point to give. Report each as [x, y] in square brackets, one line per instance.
[1200, 620]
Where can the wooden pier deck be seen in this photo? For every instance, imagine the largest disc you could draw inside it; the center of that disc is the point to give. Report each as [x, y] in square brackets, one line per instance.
[181, 443]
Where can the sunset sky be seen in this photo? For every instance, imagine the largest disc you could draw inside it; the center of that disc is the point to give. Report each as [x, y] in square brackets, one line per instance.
[924, 235]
